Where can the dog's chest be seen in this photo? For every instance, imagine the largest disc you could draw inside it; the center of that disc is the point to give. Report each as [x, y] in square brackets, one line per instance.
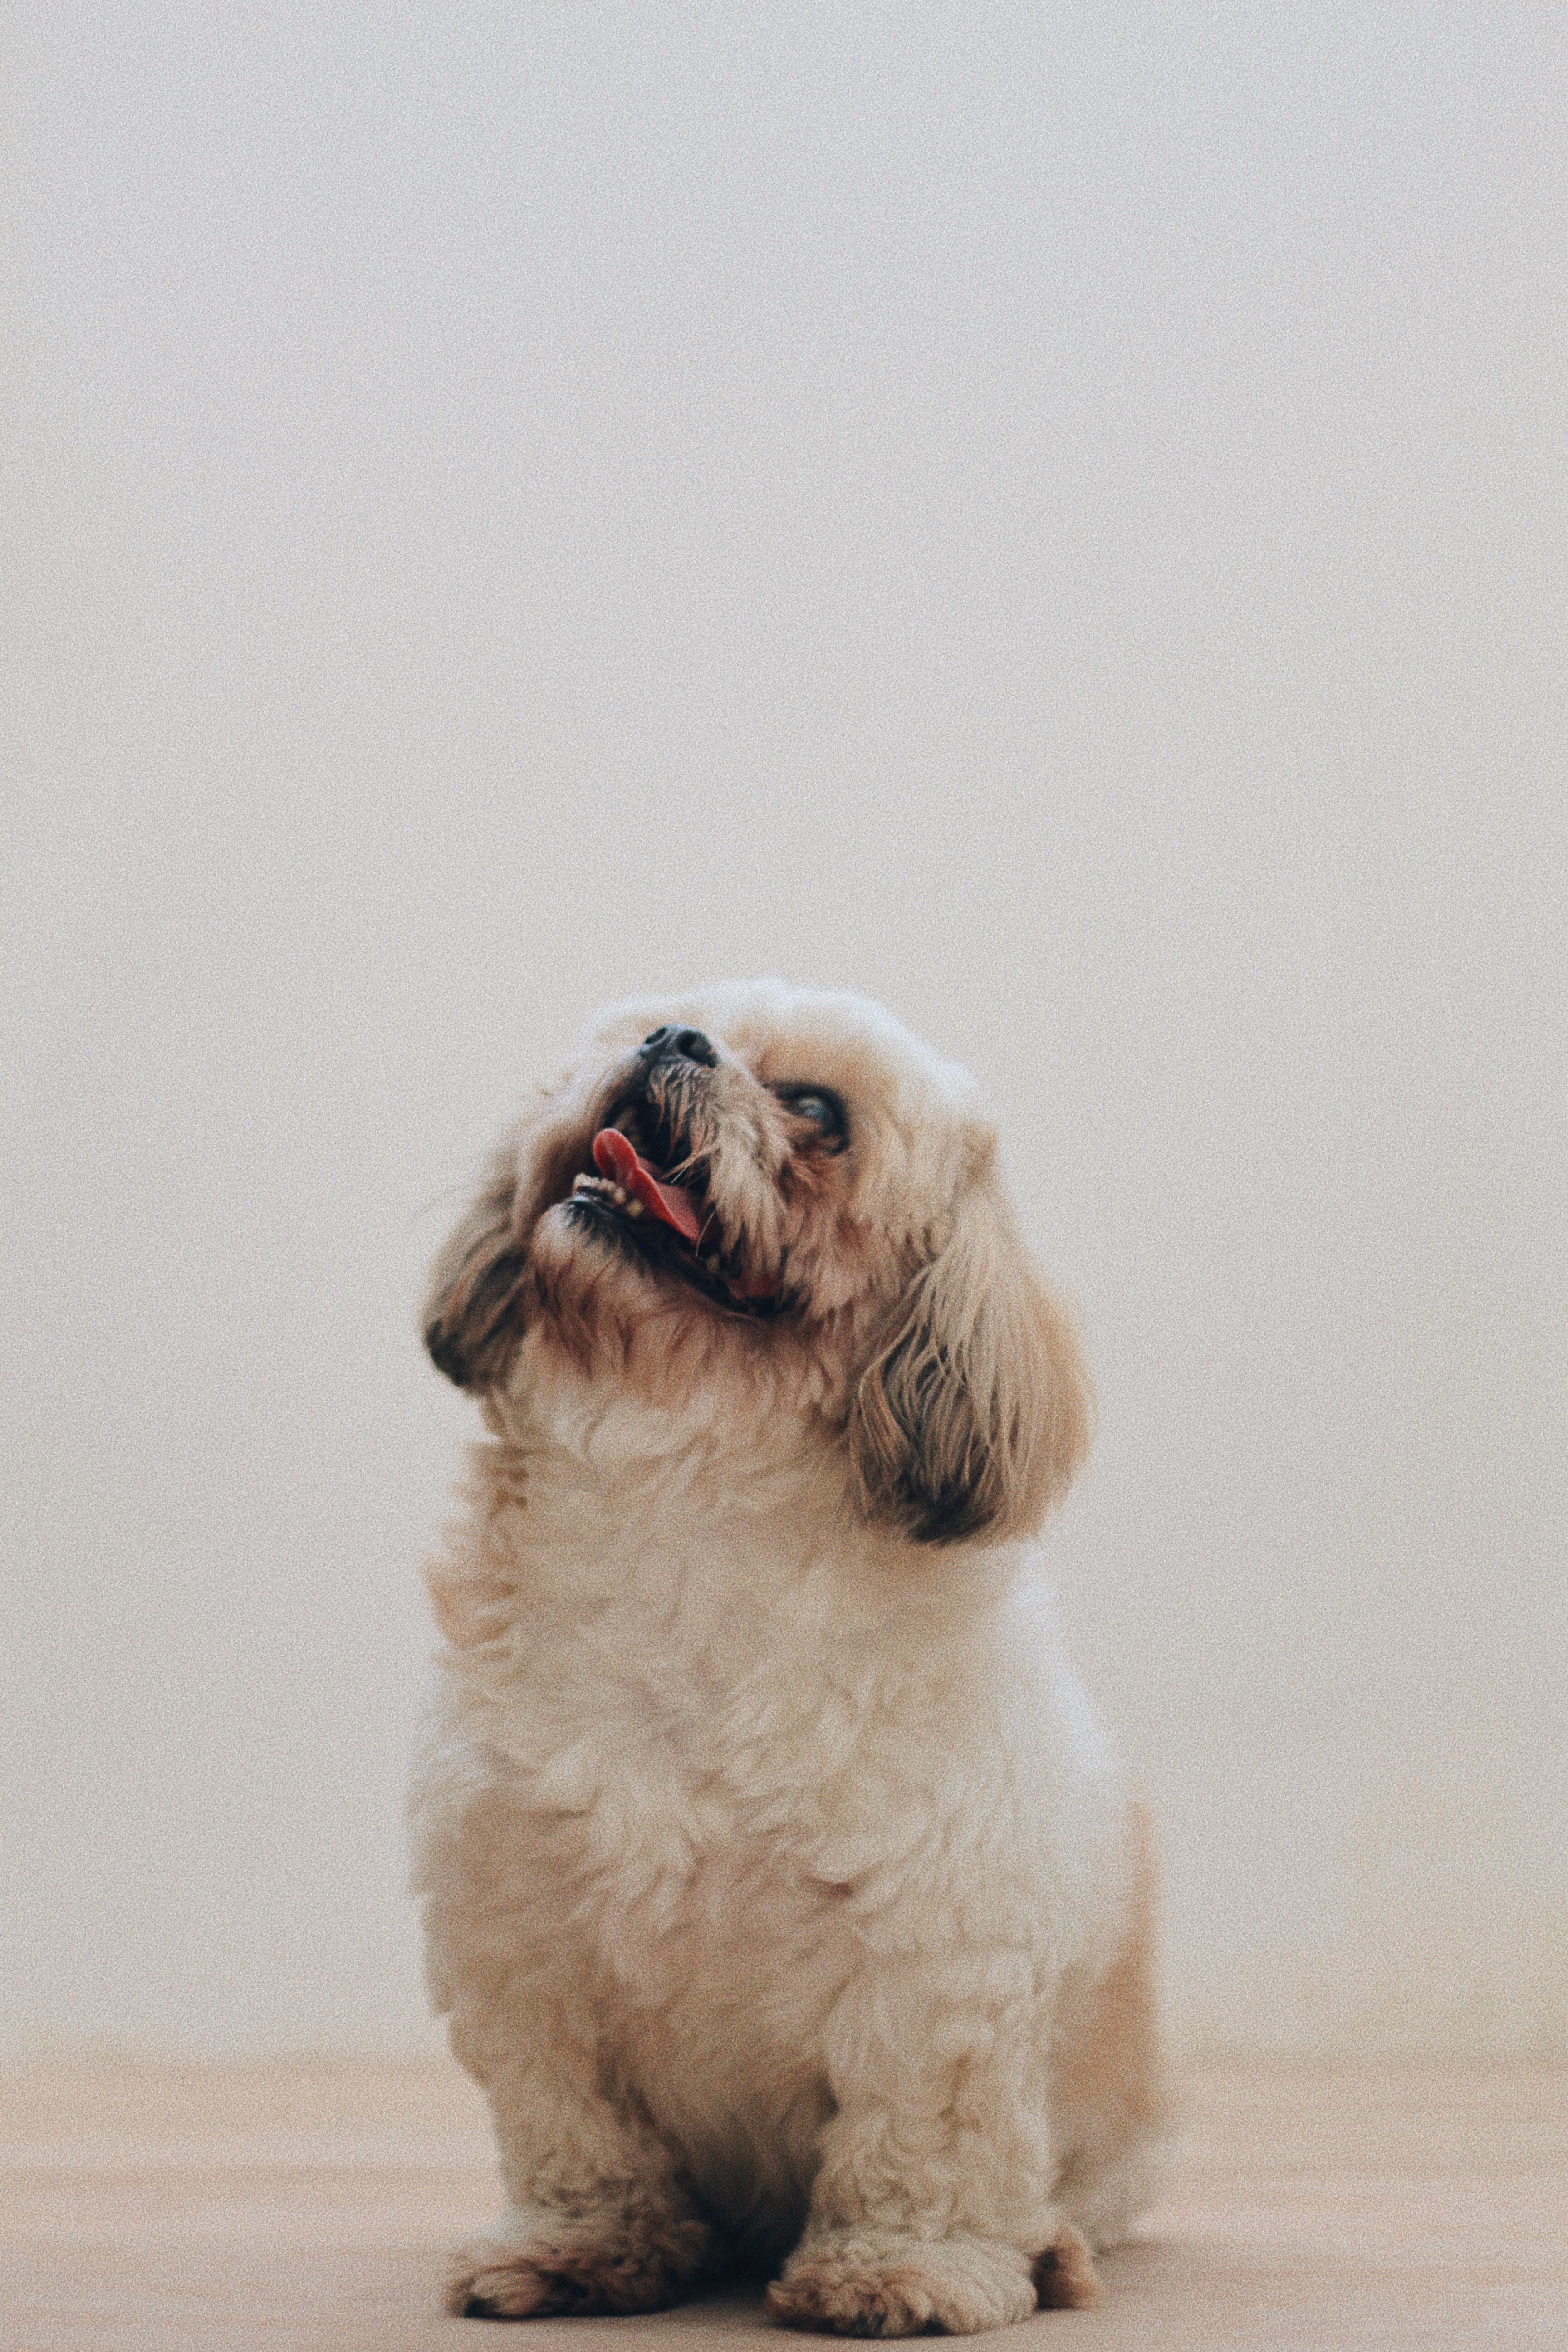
[726, 1745]
[715, 1778]
[707, 1835]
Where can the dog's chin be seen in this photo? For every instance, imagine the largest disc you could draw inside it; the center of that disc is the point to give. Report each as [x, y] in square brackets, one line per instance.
[658, 1250]
[606, 1282]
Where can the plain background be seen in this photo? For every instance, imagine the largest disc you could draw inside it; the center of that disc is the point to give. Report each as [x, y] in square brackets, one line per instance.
[1051, 516]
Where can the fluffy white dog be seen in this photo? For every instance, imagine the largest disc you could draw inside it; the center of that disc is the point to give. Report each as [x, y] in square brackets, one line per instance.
[781, 1885]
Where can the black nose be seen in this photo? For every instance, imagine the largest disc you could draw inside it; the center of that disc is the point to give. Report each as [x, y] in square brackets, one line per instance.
[668, 1045]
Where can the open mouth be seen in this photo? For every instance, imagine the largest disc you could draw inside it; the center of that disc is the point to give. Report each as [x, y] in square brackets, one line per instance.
[667, 1221]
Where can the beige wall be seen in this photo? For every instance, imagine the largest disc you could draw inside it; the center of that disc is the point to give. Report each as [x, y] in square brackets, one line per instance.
[1053, 517]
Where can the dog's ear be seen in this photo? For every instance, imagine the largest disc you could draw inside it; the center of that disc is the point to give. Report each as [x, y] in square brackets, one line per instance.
[473, 1313]
[975, 1409]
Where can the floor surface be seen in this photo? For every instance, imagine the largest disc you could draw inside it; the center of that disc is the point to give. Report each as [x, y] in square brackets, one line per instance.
[306, 2207]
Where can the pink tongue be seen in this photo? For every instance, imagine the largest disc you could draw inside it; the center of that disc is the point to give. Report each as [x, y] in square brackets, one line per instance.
[616, 1157]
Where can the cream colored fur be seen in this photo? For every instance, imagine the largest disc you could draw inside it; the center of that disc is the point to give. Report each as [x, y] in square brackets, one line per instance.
[781, 1886]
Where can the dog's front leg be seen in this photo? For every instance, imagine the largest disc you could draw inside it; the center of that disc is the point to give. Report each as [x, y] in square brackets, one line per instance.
[598, 2218]
[932, 2206]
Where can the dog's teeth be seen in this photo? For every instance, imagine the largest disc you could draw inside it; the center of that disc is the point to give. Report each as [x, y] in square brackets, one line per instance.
[618, 1196]
[711, 1262]
[633, 1208]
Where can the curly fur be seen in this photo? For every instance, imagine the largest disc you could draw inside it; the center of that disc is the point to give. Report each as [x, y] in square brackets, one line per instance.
[781, 1887]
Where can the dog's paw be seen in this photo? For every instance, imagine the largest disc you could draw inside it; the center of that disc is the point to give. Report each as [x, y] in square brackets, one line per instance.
[1065, 2275]
[868, 2284]
[539, 2264]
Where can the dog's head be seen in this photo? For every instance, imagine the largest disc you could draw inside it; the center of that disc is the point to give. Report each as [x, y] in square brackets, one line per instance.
[781, 1197]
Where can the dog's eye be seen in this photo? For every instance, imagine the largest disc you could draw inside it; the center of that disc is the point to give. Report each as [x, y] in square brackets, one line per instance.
[825, 1111]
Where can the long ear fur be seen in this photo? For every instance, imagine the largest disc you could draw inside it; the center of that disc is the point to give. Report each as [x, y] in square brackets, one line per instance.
[479, 1289]
[473, 1303]
[976, 1411]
